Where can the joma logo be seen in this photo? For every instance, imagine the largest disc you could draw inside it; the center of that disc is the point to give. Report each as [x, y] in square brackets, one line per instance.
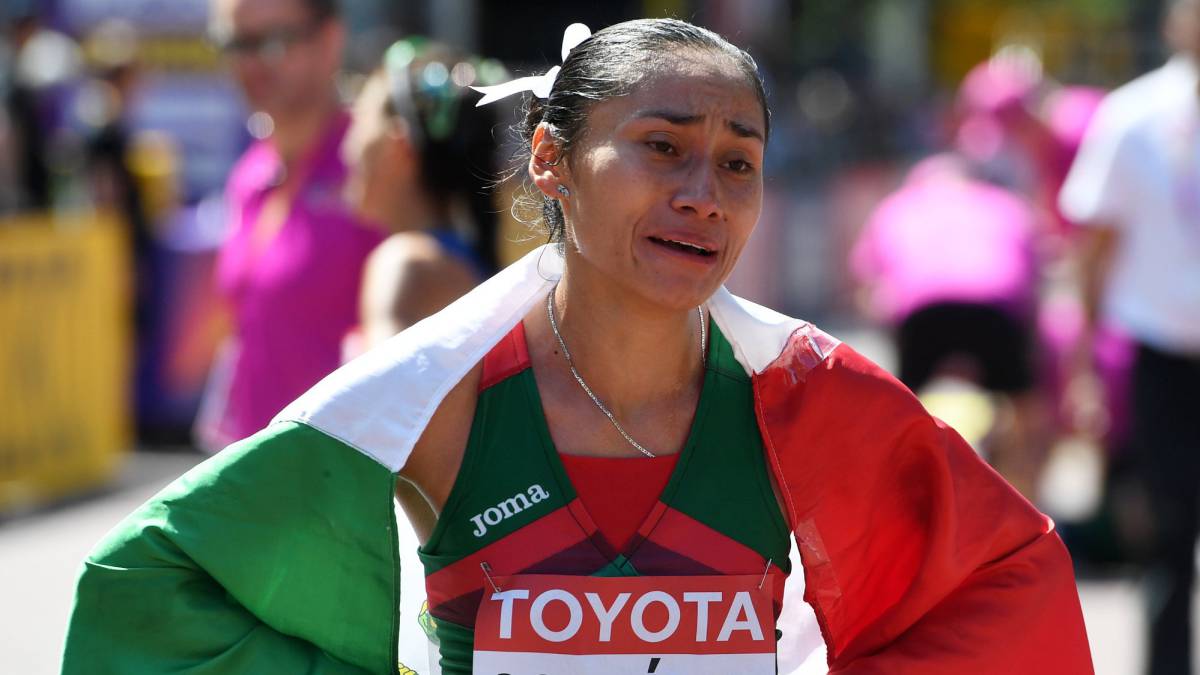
[494, 515]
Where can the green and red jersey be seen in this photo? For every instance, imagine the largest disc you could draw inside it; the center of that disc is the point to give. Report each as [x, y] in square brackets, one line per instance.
[514, 508]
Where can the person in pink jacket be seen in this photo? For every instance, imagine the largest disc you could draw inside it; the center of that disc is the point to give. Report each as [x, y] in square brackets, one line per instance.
[292, 265]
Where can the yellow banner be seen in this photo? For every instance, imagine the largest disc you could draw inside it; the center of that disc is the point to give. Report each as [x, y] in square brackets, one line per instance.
[64, 355]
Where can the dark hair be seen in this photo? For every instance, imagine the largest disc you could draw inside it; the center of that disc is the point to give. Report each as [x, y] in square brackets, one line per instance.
[427, 86]
[322, 10]
[608, 65]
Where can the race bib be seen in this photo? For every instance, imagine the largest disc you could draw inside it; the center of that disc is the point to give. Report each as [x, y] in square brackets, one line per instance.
[567, 625]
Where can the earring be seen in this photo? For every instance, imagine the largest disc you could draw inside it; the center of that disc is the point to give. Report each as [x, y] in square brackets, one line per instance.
[562, 190]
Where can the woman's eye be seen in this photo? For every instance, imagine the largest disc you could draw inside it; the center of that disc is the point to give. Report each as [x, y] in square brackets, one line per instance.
[740, 166]
[661, 146]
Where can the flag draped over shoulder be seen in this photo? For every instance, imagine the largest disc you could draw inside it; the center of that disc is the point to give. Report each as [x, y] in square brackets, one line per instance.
[279, 554]
[917, 556]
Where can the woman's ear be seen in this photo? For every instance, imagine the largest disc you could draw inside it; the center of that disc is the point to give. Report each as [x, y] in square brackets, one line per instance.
[546, 168]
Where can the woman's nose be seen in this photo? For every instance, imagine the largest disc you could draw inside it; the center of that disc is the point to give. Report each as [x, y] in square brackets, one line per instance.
[698, 193]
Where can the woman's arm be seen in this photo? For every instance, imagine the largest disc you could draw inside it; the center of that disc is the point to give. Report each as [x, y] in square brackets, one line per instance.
[435, 460]
[428, 476]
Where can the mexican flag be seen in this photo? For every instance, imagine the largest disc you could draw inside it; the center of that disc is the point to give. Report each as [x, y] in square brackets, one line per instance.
[281, 554]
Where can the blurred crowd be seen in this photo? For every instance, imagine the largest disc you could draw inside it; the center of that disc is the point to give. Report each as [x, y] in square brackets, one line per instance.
[297, 182]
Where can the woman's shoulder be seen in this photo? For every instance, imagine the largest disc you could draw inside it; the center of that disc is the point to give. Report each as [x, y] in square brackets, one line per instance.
[832, 375]
[414, 245]
[807, 380]
[768, 343]
[763, 338]
[416, 257]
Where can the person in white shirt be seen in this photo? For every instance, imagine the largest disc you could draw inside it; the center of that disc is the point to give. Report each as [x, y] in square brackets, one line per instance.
[1135, 187]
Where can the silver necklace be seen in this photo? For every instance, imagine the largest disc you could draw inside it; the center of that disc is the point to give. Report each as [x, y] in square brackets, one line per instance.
[588, 390]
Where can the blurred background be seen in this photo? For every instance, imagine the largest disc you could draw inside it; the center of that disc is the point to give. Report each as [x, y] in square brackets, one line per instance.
[122, 122]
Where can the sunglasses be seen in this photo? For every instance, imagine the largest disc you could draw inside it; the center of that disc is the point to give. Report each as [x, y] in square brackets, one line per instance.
[270, 45]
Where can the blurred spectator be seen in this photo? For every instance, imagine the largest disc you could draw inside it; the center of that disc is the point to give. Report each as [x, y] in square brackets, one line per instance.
[1021, 128]
[292, 265]
[1067, 113]
[102, 106]
[1136, 188]
[995, 117]
[102, 109]
[424, 161]
[25, 134]
[948, 261]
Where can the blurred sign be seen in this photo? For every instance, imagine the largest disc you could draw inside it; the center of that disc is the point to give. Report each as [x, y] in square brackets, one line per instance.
[181, 89]
[203, 114]
[1078, 41]
[150, 16]
[64, 355]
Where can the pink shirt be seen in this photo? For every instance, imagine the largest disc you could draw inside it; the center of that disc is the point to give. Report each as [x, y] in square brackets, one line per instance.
[944, 237]
[294, 299]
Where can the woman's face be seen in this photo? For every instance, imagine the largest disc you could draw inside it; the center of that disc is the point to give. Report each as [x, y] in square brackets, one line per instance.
[369, 152]
[666, 182]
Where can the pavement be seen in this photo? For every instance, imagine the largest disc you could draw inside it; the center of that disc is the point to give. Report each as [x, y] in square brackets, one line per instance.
[40, 555]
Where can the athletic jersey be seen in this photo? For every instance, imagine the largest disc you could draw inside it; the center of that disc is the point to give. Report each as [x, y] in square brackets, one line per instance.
[513, 509]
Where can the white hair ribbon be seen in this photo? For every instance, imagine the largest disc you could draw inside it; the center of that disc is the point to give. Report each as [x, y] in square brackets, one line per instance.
[540, 85]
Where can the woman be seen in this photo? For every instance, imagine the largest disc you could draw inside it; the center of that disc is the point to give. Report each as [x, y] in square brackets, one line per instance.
[623, 349]
[422, 159]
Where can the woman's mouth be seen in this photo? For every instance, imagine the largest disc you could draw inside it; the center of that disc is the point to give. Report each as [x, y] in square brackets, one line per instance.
[684, 247]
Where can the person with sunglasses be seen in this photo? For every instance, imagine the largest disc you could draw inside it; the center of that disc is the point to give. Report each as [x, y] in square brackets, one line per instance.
[291, 266]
